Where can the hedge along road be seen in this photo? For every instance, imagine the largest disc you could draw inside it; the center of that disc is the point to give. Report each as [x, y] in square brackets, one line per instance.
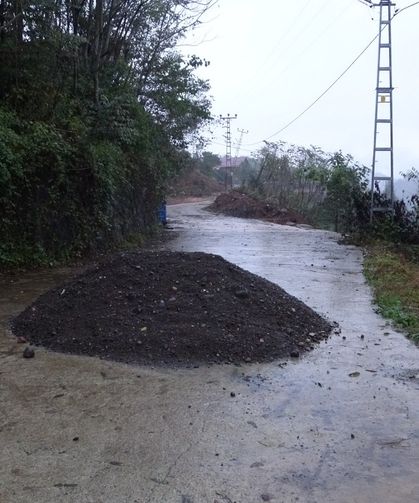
[339, 425]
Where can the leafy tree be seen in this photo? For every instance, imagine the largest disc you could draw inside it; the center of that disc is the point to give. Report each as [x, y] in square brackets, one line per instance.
[207, 162]
[291, 177]
[96, 107]
[347, 194]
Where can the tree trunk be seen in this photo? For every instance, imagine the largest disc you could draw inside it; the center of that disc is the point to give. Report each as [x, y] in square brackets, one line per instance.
[97, 49]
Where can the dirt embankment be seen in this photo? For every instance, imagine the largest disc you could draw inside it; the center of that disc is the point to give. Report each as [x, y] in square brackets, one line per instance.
[238, 204]
[171, 308]
[192, 184]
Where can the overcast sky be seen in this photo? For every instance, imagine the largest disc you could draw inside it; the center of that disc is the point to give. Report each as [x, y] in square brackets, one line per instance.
[271, 58]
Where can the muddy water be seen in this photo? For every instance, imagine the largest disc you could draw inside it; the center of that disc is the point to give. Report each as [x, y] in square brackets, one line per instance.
[340, 425]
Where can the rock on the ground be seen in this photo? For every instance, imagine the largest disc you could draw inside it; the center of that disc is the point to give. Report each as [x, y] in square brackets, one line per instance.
[28, 352]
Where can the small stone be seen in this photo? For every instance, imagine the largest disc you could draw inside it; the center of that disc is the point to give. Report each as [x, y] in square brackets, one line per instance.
[266, 497]
[21, 340]
[362, 336]
[28, 352]
[295, 354]
[352, 436]
[242, 294]
[232, 394]
[75, 439]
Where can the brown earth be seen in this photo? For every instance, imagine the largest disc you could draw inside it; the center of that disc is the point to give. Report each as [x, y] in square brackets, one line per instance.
[171, 308]
[189, 199]
[193, 184]
[238, 204]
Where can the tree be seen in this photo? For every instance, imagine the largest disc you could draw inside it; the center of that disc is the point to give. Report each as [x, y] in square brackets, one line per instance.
[291, 177]
[98, 105]
[347, 193]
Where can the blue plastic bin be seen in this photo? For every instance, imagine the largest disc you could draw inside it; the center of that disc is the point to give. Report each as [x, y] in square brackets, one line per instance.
[162, 213]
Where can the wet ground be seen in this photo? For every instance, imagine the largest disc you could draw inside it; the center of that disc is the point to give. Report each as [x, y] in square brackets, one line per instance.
[340, 425]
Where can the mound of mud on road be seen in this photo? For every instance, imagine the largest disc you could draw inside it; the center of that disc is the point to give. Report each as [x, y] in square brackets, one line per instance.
[238, 204]
[170, 308]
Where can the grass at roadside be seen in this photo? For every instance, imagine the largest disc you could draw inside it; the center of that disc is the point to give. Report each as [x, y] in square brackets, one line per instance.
[394, 275]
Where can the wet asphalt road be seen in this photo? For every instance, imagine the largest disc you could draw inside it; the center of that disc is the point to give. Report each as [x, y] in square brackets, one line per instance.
[339, 425]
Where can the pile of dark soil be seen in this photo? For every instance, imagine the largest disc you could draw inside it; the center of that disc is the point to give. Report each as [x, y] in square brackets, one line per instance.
[238, 204]
[164, 307]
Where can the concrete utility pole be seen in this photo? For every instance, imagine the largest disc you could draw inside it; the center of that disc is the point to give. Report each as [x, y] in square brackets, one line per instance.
[383, 153]
[228, 179]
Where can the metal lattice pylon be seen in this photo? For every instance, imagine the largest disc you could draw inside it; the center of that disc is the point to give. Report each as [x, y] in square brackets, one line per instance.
[239, 144]
[383, 153]
[228, 178]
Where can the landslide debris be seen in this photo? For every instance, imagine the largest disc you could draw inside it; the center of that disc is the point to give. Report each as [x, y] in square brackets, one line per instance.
[171, 308]
[238, 204]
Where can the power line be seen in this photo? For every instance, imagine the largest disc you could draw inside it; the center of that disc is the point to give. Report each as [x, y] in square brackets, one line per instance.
[397, 12]
[369, 3]
[280, 44]
[223, 145]
[288, 31]
[332, 84]
[314, 40]
[321, 96]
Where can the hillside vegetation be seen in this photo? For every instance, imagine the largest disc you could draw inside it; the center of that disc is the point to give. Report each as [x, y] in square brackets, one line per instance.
[96, 108]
